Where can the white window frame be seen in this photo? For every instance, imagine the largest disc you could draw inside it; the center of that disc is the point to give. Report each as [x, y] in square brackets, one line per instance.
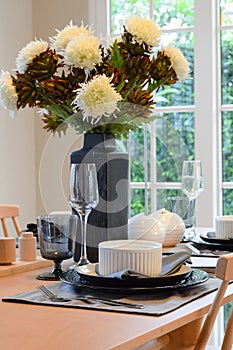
[207, 106]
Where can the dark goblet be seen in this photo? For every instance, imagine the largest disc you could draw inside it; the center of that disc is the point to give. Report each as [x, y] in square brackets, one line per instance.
[56, 233]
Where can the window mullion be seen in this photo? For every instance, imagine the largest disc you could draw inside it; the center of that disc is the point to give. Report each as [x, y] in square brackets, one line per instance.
[205, 63]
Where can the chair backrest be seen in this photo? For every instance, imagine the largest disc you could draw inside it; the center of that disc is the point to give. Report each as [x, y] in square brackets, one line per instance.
[224, 271]
[9, 211]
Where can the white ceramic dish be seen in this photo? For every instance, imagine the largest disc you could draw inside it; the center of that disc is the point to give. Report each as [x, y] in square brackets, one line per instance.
[142, 256]
[173, 224]
[224, 226]
[142, 227]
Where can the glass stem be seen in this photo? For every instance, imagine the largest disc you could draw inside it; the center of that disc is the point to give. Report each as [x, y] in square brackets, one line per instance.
[57, 268]
[190, 231]
[83, 255]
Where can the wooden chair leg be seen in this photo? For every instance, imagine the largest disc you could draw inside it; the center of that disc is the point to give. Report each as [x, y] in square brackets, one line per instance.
[17, 228]
[211, 317]
[5, 231]
[228, 338]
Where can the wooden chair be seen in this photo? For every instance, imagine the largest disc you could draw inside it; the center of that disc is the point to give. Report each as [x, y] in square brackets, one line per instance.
[9, 211]
[224, 271]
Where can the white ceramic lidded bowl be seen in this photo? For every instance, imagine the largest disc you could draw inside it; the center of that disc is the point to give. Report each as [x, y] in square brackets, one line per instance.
[224, 226]
[141, 256]
[173, 224]
[146, 228]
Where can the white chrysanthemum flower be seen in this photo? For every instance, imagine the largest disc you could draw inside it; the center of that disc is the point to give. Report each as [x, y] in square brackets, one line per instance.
[61, 40]
[97, 98]
[83, 51]
[179, 62]
[28, 53]
[8, 95]
[42, 111]
[143, 30]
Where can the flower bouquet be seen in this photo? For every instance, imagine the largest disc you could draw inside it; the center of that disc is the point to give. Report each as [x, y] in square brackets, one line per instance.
[74, 80]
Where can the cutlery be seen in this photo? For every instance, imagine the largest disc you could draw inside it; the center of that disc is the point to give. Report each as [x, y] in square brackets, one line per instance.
[57, 298]
[51, 296]
[115, 302]
[86, 298]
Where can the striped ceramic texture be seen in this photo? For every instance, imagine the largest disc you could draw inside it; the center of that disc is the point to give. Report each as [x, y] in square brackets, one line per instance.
[224, 226]
[141, 256]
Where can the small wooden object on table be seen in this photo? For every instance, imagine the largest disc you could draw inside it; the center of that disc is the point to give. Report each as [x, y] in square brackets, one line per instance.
[23, 266]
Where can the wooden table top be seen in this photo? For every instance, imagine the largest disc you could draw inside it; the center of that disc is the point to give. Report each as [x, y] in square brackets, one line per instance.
[33, 327]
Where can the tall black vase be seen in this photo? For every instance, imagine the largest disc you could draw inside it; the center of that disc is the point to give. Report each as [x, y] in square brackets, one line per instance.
[108, 221]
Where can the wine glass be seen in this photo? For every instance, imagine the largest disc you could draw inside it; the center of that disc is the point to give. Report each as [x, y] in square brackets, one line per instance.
[83, 197]
[184, 207]
[192, 181]
[56, 233]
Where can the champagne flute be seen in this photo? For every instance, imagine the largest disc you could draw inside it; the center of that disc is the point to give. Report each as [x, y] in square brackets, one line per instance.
[192, 182]
[83, 197]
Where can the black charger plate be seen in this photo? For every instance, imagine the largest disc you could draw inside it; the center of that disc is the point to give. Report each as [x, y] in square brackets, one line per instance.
[209, 242]
[194, 278]
[210, 237]
[88, 274]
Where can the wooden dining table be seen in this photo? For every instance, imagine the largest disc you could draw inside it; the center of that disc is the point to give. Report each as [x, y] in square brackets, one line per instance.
[35, 327]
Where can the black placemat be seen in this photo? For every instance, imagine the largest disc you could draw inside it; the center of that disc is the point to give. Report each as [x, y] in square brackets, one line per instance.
[155, 304]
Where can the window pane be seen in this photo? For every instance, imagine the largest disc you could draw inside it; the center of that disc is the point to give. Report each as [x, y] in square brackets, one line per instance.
[174, 14]
[182, 93]
[227, 201]
[226, 12]
[227, 66]
[174, 144]
[163, 194]
[227, 146]
[167, 14]
[138, 201]
[137, 158]
[122, 9]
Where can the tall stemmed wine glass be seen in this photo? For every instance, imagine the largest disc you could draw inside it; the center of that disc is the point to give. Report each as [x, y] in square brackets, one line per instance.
[192, 182]
[83, 197]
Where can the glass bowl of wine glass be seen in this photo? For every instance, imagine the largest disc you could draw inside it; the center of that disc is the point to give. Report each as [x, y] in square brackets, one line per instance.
[56, 235]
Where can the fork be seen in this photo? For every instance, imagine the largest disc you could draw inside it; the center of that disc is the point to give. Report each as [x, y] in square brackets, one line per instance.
[51, 296]
[87, 299]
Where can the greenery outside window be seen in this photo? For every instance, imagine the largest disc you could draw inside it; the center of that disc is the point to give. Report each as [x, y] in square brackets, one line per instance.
[158, 151]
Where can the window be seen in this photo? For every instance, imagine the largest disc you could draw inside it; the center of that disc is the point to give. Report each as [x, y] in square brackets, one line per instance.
[226, 39]
[159, 176]
[195, 120]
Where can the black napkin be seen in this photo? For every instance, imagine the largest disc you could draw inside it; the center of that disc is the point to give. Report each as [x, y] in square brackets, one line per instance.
[170, 264]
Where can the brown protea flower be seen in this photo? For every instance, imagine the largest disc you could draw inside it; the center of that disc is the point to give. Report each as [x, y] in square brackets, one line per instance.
[142, 98]
[44, 66]
[27, 84]
[54, 123]
[161, 70]
[26, 90]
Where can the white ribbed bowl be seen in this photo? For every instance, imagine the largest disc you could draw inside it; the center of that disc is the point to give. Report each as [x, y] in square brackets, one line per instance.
[224, 226]
[141, 256]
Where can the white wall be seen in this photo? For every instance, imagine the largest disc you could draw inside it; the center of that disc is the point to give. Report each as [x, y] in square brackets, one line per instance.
[52, 152]
[17, 139]
[34, 165]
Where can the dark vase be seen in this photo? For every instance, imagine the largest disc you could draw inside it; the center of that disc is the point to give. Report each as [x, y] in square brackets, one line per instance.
[109, 220]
